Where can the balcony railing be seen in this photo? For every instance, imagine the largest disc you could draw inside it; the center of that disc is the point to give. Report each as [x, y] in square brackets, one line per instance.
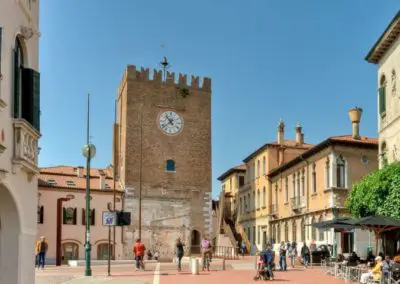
[273, 209]
[26, 148]
[297, 202]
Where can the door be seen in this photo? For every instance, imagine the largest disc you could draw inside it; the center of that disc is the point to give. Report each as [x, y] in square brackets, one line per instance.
[348, 242]
[102, 251]
[70, 252]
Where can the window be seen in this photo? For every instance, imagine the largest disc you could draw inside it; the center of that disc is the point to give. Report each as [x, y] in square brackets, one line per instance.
[92, 216]
[170, 166]
[264, 166]
[40, 215]
[241, 181]
[286, 189]
[314, 179]
[69, 216]
[274, 233]
[102, 251]
[303, 231]
[258, 198]
[254, 170]
[70, 183]
[278, 232]
[259, 234]
[302, 183]
[327, 173]
[294, 231]
[340, 172]
[286, 232]
[276, 195]
[258, 168]
[298, 184]
[294, 184]
[26, 89]
[51, 182]
[382, 96]
[321, 232]
[264, 197]
[393, 83]
[313, 230]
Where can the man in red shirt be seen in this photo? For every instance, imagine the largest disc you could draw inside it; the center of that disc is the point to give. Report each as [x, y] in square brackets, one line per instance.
[138, 252]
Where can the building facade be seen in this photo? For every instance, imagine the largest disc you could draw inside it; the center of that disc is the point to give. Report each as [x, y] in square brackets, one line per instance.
[163, 157]
[314, 187]
[68, 184]
[386, 55]
[19, 136]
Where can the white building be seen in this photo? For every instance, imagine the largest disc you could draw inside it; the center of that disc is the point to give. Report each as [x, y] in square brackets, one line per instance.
[386, 54]
[19, 135]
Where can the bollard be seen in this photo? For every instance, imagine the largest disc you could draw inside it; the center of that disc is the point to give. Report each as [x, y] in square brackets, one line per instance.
[195, 266]
[223, 264]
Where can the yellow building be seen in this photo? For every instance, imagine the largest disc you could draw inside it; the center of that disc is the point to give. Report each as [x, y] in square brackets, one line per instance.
[316, 183]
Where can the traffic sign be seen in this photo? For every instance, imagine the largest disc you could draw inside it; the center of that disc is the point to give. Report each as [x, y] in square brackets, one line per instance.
[109, 218]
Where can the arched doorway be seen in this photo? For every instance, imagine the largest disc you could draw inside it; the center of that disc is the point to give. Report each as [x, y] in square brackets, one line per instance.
[9, 241]
[70, 252]
[195, 241]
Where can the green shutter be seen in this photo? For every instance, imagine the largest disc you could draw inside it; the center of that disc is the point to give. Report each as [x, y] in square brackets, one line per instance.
[31, 97]
[36, 100]
[64, 216]
[382, 100]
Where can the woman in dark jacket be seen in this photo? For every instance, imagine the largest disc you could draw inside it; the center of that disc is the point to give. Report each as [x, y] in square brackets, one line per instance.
[179, 252]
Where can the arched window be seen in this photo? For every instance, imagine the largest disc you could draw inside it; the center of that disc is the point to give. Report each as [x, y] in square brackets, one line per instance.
[264, 197]
[303, 231]
[313, 230]
[286, 189]
[278, 230]
[328, 173]
[170, 166]
[384, 154]
[286, 232]
[294, 231]
[321, 232]
[382, 96]
[258, 168]
[264, 166]
[340, 172]
[258, 198]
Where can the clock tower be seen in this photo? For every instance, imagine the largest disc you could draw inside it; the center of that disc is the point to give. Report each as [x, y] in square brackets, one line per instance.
[162, 140]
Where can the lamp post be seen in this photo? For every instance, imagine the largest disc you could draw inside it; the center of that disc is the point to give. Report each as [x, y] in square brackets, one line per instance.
[89, 151]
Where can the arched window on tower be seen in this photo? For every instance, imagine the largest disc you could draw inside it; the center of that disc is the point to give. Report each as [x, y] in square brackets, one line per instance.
[170, 166]
[382, 96]
[340, 172]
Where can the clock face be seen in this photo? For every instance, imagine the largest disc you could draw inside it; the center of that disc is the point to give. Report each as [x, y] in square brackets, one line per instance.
[170, 123]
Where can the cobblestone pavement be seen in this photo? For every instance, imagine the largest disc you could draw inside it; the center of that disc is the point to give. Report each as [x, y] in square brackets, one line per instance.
[237, 272]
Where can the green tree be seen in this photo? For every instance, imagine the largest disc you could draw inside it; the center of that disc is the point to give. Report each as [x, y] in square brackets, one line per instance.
[377, 193]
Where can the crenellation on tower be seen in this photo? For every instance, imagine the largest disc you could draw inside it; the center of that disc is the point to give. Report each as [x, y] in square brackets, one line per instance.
[144, 74]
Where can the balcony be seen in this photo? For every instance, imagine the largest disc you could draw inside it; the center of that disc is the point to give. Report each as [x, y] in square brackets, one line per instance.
[297, 202]
[273, 210]
[26, 148]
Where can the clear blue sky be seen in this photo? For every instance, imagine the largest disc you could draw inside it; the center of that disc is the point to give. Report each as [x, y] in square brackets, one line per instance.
[297, 60]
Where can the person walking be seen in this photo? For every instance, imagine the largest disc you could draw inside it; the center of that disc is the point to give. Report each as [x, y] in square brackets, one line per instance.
[268, 258]
[305, 254]
[138, 252]
[206, 253]
[293, 253]
[282, 257]
[179, 252]
[243, 248]
[40, 251]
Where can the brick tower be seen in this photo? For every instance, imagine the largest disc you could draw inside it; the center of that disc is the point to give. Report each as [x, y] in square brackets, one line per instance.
[162, 144]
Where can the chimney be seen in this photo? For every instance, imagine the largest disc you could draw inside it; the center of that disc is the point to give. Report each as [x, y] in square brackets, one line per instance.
[281, 132]
[79, 171]
[102, 180]
[299, 135]
[355, 118]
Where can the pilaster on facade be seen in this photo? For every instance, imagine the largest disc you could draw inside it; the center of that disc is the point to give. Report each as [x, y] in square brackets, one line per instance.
[26, 149]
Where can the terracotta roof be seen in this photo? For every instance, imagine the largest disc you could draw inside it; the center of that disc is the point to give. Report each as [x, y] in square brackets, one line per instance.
[240, 168]
[385, 41]
[67, 177]
[286, 144]
[344, 140]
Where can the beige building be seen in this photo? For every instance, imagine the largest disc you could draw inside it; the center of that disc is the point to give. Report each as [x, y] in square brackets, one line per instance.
[315, 184]
[163, 158]
[19, 136]
[386, 55]
[64, 182]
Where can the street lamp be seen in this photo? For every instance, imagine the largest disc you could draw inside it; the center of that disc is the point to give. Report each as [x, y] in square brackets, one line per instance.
[88, 151]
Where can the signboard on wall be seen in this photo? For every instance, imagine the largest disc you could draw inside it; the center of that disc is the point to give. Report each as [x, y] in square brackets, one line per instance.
[109, 218]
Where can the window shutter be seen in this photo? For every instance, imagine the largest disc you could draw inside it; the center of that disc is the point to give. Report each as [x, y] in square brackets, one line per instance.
[75, 214]
[17, 90]
[31, 97]
[92, 217]
[64, 216]
[382, 100]
[83, 216]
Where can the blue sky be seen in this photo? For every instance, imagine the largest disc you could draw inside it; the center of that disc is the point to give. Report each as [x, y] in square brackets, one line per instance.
[302, 61]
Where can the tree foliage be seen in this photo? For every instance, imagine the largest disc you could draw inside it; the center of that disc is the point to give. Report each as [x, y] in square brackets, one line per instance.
[377, 194]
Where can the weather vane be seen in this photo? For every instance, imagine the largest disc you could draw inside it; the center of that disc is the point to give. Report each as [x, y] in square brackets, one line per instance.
[164, 63]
